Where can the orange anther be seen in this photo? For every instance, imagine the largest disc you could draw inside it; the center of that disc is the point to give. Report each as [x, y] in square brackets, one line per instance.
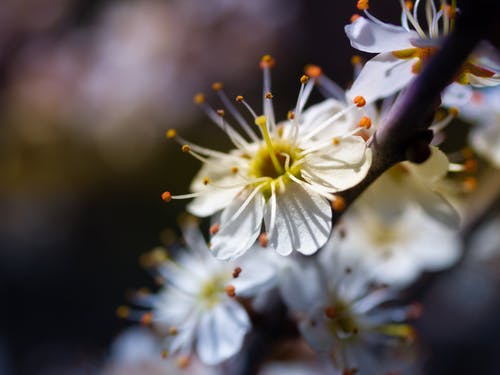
[330, 312]
[234, 170]
[365, 122]
[123, 312]
[147, 318]
[290, 115]
[236, 272]
[338, 203]
[172, 331]
[453, 111]
[239, 98]
[269, 95]
[354, 17]
[313, 71]
[263, 239]
[409, 5]
[231, 291]
[214, 228]
[166, 196]
[363, 4]
[335, 141]
[470, 165]
[199, 98]
[217, 86]
[183, 361]
[206, 180]
[356, 59]
[220, 112]
[470, 184]
[359, 101]
[185, 148]
[267, 61]
[304, 79]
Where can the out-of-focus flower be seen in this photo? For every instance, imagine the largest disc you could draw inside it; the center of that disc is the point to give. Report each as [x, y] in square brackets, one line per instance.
[285, 179]
[138, 351]
[402, 50]
[197, 308]
[484, 111]
[344, 315]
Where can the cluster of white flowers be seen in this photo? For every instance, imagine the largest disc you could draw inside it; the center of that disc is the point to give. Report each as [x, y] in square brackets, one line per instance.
[276, 191]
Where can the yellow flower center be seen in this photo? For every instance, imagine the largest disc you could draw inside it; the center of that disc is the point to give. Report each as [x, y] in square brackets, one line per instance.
[213, 289]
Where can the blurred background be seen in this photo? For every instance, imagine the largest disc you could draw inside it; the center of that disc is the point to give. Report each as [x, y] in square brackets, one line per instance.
[87, 91]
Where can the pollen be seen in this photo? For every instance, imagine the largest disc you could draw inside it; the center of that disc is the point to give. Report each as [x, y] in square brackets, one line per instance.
[313, 71]
[214, 228]
[269, 95]
[171, 133]
[267, 61]
[338, 203]
[123, 312]
[356, 59]
[263, 239]
[231, 291]
[304, 79]
[199, 98]
[166, 196]
[239, 98]
[261, 121]
[365, 122]
[354, 17]
[363, 4]
[330, 312]
[185, 148]
[236, 272]
[220, 112]
[359, 101]
[217, 86]
[147, 318]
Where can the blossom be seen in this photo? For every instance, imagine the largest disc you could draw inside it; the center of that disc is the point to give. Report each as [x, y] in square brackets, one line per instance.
[402, 50]
[285, 179]
[198, 307]
[344, 315]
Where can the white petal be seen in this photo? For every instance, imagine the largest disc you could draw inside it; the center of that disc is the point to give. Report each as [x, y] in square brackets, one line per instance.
[438, 207]
[257, 273]
[432, 170]
[456, 95]
[381, 77]
[374, 37]
[237, 235]
[221, 332]
[211, 201]
[303, 221]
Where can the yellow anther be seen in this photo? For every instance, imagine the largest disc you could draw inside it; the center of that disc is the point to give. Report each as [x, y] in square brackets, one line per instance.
[171, 133]
[220, 112]
[269, 95]
[267, 61]
[453, 111]
[231, 291]
[409, 5]
[123, 312]
[239, 98]
[217, 86]
[164, 354]
[313, 71]
[304, 79]
[185, 148]
[365, 122]
[335, 141]
[206, 180]
[199, 98]
[359, 101]
[290, 115]
[363, 4]
[261, 121]
[234, 170]
[355, 60]
[166, 196]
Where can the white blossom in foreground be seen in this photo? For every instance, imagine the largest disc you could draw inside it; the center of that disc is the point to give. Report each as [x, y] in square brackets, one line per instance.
[286, 179]
[344, 315]
[402, 50]
[198, 308]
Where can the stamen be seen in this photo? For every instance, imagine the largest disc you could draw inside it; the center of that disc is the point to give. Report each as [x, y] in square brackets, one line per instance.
[123, 312]
[199, 98]
[214, 228]
[263, 239]
[330, 312]
[363, 4]
[267, 62]
[164, 354]
[146, 318]
[354, 17]
[166, 196]
[236, 272]
[412, 20]
[171, 134]
[183, 361]
[338, 203]
[172, 331]
[231, 291]
[359, 101]
[365, 122]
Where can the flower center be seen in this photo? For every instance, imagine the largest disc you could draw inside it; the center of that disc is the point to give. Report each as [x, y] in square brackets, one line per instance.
[340, 320]
[262, 165]
[212, 290]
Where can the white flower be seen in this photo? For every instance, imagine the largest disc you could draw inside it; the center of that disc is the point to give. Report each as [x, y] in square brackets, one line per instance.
[403, 49]
[197, 308]
[484, 111]
[343, 314]
[286, 179]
